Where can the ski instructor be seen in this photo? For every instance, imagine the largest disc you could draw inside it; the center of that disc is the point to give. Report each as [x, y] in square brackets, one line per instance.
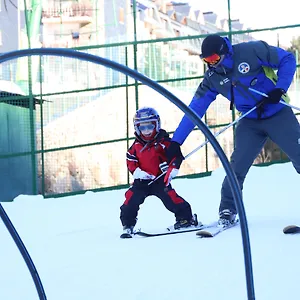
[232, 70]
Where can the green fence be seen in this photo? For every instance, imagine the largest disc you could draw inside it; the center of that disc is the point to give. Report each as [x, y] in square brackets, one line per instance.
[70, 130]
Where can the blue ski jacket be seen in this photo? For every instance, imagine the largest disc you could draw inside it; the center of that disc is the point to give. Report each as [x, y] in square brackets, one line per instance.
[249, 64]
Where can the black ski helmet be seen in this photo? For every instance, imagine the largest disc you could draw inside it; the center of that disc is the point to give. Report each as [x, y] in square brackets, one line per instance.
[213, 44]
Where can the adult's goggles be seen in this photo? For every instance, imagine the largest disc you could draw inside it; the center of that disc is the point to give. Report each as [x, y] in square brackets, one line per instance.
[212, 59]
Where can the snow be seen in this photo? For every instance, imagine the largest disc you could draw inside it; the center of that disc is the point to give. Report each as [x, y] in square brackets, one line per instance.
[74, 243]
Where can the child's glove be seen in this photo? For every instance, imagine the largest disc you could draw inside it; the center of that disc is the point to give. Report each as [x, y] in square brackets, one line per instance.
[140, 174]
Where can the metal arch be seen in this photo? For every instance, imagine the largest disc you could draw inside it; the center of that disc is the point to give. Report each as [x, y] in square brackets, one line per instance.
[192, 115]
[18, 241]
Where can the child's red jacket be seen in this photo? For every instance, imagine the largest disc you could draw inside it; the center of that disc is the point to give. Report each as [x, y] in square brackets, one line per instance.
[148, 156]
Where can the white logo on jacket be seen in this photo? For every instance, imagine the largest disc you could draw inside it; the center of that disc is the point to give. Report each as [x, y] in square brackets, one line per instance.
[224, 81]
[244, 68]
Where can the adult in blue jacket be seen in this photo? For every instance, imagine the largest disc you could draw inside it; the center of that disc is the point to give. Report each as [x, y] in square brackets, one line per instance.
[232, 70]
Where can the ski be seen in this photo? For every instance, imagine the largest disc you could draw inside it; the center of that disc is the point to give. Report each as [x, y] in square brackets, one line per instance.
[171, 230]
[215, 230]
[291, 229]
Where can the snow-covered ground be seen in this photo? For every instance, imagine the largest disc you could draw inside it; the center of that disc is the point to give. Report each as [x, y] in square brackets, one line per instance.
[75, 245]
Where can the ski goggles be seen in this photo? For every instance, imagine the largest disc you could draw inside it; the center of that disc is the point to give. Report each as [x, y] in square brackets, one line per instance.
[146, 127]
[212, 59]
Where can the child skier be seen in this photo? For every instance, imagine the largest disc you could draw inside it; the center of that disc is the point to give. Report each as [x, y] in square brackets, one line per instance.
[146, 160]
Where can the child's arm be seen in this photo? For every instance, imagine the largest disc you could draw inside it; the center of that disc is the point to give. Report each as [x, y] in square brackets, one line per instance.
[134, 167]
[131, 160]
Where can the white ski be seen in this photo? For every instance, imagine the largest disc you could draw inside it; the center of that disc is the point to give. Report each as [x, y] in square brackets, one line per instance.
[212, 232]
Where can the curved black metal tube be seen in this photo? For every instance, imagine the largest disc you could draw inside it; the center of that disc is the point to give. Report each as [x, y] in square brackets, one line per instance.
[192, 115]
[14, 234]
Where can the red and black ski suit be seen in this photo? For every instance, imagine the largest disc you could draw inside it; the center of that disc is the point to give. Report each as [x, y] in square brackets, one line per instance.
[148, 157]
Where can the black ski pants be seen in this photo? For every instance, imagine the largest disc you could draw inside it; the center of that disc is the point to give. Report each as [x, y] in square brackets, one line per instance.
[140, 190]
[250, 136]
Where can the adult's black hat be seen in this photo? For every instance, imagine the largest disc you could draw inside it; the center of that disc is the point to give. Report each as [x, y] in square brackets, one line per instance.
[213, 44]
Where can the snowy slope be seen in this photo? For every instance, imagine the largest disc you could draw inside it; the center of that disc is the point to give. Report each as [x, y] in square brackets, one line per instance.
[75, 245]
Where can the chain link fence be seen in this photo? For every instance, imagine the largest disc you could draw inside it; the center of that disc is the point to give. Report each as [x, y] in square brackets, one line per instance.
[67, 124]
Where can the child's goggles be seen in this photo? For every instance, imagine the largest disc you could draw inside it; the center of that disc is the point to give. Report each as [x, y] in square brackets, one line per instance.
[146, 127]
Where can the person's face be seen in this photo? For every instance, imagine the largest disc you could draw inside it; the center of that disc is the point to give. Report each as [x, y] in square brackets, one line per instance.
[146, 129]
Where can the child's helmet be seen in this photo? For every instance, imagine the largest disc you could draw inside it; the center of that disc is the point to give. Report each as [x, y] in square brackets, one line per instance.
[146, 123]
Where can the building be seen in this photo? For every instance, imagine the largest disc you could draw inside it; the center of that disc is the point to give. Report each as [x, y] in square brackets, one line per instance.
[70, 23]
[9, 26]
[90, 22]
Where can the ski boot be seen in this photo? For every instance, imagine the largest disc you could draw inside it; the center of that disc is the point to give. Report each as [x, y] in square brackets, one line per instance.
[226, 217]
[127, 232]
[183, 223]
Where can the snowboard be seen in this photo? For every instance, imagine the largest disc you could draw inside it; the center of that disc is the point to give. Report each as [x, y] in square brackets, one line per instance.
[213, 231]
[291, 229]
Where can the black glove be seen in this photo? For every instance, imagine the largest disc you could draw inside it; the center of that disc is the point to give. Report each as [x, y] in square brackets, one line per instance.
[274, 96]
[173, 152]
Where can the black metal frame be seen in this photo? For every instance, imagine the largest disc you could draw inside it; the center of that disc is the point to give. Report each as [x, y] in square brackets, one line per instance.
[192, 115]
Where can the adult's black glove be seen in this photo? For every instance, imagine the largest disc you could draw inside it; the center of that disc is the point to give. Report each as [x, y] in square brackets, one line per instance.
[173, 153]
[274, 96]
